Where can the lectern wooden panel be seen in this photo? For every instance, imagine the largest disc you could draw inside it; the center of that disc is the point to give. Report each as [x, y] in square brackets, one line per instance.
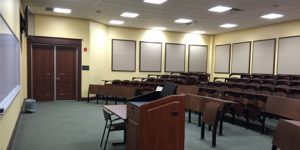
[156, 125]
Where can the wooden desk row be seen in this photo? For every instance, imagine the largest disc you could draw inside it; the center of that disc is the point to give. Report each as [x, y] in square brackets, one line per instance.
[282, 107]
[112, 91]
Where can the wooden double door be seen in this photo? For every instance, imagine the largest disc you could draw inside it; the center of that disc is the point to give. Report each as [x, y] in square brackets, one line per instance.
[54, 72]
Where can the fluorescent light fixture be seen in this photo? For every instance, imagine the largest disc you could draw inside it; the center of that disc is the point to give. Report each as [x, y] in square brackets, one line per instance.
[228, 25]
[129, 14]
[272, 16]
[117, 22]
[183, 20]
[220, 9]
[62, 10]
[155, 1]
[198, 32]
[158, 28]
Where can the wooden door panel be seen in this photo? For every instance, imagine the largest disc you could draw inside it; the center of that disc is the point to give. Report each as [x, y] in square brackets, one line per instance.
[43, 72]
[65, 73]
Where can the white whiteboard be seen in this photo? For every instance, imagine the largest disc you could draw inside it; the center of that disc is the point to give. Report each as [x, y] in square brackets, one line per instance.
[150, 56]
[263, 56]
[175, 57]
[123, 55]
[289, 55]
[240, 57]
[222, 58]
[197, 58]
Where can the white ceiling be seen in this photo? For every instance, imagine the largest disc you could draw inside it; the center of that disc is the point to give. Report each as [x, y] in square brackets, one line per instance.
[165, 14]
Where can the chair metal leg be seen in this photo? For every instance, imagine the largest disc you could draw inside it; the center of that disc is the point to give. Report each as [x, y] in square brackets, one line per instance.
[214, 134]
[103, 134]
[202, 130]
[209, 128]
[263, 124]
[274, 147]
[107, 138]
[199, 119]
[88, 101]
[233, 118]
[190, 113]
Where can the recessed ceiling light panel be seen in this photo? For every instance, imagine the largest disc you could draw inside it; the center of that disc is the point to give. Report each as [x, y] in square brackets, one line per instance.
[183, 20]
[228, 25]
[129, 15]
[116, 22]
[272, 16]
[155, 1]
[62, 10]
[158, 28]
[220, 9]
[198, 32]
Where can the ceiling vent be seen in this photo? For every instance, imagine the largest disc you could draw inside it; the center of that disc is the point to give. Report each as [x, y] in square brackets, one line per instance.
[236, 10]
[49, 9]
[189, 24]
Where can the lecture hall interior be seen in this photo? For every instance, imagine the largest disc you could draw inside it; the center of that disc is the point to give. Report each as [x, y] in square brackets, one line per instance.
[149, 75]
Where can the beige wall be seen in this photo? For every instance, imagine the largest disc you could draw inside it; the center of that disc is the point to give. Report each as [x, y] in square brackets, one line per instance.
[10, 9]
[100, 48]
[97, 38]
[259, 33]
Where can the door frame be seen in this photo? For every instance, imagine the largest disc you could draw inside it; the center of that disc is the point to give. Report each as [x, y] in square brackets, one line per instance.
[41, 40]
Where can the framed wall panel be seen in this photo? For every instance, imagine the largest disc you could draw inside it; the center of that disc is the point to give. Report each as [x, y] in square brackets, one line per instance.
[288, 55]
[175, 57]
[222, 58]
[123, 55]
[150, 56]
[197, 58]
[263, 56]
[241, 57]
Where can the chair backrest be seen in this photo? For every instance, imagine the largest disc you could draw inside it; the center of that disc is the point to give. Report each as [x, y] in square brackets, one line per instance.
[286, 136]
[211, 113]
[283, 107]
[92, 89]
[169, 89]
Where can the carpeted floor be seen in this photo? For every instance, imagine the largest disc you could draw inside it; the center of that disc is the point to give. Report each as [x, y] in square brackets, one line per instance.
[73, 125]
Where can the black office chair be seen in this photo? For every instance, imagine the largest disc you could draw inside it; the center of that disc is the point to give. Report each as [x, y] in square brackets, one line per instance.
[111, 126]
[168, 89]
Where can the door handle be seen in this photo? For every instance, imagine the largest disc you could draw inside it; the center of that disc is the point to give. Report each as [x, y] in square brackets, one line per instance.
[57, 78]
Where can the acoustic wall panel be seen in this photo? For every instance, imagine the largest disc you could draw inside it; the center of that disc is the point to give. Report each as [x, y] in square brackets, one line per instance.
[222, 58]
[150, 56]
[240, 57]
[197, 58]
[175, 57]
[263, 56]
[289, 55]
[123, 55]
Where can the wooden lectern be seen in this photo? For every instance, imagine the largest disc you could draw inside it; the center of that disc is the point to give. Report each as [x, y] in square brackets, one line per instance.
[156, 125]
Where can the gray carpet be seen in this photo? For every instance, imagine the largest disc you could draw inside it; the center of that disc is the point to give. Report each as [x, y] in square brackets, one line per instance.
[73, 125]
